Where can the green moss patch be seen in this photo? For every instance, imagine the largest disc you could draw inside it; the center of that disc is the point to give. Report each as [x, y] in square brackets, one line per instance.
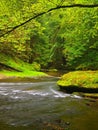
[22, 74]
[80, 81]
[13, 63]
[14, 67]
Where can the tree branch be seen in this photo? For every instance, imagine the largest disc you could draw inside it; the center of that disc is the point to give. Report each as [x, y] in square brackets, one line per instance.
[58, 7]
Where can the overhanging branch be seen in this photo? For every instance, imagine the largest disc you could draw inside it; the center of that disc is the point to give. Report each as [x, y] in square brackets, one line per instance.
[58, 7]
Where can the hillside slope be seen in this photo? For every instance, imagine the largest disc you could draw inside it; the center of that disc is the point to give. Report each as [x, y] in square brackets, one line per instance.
[12, 66]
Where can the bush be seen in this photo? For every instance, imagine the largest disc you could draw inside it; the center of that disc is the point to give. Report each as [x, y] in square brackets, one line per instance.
[36, 66]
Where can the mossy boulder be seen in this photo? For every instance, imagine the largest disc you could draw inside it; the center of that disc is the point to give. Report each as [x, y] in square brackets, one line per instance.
[79, 81]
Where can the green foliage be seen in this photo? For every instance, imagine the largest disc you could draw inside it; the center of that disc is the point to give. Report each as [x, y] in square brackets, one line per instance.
[13, 13]
[81, 38]
[64, 38]
[84, 79]
[36, 66]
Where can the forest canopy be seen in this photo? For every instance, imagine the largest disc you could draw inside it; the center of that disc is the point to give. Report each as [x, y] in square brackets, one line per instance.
[62, 38]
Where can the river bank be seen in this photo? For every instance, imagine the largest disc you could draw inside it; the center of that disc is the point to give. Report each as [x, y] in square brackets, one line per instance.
[2, 76]
[10, 76]
[26, 74]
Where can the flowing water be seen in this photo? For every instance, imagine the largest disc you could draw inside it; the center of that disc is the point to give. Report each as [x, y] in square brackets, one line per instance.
[39, 105]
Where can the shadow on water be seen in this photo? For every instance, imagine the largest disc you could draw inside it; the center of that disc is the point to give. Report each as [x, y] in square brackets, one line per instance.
[37, 104]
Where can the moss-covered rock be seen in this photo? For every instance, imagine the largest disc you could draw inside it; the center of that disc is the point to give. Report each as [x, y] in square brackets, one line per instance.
[79, 81]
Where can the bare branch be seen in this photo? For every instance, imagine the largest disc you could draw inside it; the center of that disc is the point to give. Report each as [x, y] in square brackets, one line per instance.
[58, 7]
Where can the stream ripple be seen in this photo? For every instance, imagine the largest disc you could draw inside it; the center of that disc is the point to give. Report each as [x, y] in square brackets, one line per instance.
[41, 106]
